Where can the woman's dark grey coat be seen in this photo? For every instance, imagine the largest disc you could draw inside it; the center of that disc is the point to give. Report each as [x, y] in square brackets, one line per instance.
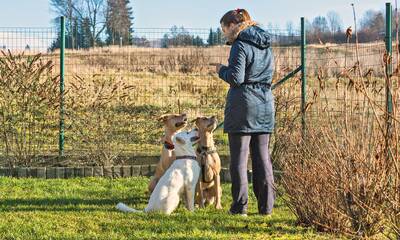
[250, 103]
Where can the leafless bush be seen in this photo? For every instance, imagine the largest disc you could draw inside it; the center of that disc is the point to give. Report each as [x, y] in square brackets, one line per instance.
[28, 106]
[92, 115]
[332, 182]
[343, 174]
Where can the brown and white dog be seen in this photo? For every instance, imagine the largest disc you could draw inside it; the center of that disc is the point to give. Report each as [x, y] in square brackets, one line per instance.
[173, 123]
[210, 164]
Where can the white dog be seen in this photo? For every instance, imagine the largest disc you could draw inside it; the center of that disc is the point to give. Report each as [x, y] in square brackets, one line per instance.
[179, 180]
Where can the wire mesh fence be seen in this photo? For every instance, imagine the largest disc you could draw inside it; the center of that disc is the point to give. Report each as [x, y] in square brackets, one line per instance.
[341, 75]
[116, 89]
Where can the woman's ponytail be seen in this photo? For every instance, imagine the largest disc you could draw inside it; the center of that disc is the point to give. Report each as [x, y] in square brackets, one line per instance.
[235, 16]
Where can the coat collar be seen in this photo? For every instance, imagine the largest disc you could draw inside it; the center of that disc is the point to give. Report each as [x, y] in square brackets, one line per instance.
[237, 29]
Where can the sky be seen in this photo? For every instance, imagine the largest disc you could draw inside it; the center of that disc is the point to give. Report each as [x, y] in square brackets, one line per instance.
[196, 14]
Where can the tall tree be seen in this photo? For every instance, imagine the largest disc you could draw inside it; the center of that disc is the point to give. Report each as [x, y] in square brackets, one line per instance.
[215, 40]
[211, 38]
[198, 41]
[119, 22]
[320, 25]
[290, 28]
[86, 40]
[373, 21]
[372, 25]
[179, 36]
[165, 41]
[220, 37]
[334, 21]
[94, 11]
[66, 8]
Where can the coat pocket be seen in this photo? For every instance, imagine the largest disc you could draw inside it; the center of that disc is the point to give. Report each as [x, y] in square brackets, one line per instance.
[257, 101]
[263, 101]
[258, 95]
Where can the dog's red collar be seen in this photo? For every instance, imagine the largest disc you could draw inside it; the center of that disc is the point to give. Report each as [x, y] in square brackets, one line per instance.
[169, 145]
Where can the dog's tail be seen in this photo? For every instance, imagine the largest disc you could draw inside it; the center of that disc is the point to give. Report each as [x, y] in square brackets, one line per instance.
[124, 208]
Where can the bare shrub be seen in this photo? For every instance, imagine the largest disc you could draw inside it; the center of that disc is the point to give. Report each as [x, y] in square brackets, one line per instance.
[332, 182]
[28, 106]
[343, 174]
[91, 114]
[193, 61]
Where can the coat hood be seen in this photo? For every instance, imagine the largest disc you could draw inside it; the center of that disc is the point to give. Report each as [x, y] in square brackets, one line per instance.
[251, 33]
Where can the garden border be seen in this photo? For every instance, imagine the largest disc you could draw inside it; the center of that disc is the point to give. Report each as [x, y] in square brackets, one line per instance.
[93, 171]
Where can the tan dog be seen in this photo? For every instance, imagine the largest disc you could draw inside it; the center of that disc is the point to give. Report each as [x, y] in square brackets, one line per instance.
[210, 164]
[173, 123]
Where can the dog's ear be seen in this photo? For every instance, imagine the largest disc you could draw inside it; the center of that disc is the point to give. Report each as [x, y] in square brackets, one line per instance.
[195, 120]
[180, 140]
[215, 119]
[163, 118]
[212, 126]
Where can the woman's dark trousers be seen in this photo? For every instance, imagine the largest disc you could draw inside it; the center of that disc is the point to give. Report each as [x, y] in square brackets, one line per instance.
[263, 180]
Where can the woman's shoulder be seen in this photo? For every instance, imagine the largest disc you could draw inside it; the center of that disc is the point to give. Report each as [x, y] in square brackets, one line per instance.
[238, 44]
[256, 36]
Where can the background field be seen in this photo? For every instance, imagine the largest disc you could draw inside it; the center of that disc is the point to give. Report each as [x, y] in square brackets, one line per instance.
[115, 94]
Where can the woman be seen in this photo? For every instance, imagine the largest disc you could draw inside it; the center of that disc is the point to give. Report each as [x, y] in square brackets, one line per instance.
[249, 110]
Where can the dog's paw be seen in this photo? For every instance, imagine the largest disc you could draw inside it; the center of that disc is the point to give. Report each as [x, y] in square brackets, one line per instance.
[120, 206]
[218, 206]
[124, 208]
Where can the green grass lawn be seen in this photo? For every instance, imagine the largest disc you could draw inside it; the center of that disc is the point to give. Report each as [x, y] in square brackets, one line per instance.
[84, 209]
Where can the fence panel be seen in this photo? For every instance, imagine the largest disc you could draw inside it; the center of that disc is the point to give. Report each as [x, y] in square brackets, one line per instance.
[116, 89]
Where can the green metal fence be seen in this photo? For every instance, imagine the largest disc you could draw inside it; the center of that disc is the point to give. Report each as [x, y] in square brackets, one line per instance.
[109, 96]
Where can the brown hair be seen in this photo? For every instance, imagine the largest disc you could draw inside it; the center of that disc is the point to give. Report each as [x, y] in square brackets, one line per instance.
[235, 16]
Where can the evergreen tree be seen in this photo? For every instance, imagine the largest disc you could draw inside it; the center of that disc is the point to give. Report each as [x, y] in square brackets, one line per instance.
[220, 37]
[198, 41]
[165, 41]
[85, 34]
[119, 22]
[211, 38]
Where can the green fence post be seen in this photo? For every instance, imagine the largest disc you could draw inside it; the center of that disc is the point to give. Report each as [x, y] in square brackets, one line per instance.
[303, 77]
[389, 52]
[389, 102]
[62, 52]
